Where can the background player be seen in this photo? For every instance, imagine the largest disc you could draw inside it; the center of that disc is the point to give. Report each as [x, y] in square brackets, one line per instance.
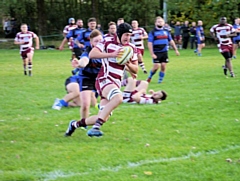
[138, 35]
[25, 40]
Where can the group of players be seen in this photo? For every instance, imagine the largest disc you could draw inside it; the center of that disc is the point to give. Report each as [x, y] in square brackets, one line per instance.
[97, 73]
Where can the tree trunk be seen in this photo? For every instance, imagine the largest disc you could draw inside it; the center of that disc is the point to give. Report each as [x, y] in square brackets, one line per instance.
[42, 30]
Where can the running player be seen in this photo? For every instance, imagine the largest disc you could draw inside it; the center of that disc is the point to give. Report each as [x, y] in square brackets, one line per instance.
[222, 33]
[25, 40]
[236, 39]
[138, 35]
[200, 38]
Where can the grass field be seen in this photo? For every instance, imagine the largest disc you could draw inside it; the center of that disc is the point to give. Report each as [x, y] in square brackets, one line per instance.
[188, 137]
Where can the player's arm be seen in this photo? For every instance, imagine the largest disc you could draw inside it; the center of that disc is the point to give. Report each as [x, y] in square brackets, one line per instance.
[65, 40]
[132, 67]
[172, 43]
[95, 53]
[36, 42]
[17, 42]
[78, 41]
[145, 35]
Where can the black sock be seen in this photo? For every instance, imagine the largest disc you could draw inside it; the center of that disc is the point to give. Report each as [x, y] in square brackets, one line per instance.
[81, 123]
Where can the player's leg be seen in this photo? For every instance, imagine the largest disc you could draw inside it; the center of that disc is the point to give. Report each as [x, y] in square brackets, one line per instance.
[140, 60]
[131, 85]
[235, 47]
[30, 60]
[164, 61]
[114, 97]
[156, 65]
[85, 97]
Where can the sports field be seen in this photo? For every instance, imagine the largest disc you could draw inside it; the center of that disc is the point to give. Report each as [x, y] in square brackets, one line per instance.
[192, 136]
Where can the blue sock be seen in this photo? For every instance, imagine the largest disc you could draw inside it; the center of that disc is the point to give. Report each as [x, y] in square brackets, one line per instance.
[161, 76]
[151, 74]
[65, 104]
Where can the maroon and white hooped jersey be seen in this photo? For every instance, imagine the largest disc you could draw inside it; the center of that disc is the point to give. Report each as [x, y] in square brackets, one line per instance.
[110, 69]
[136, 37]
[27, 38]
[145, 98]
[221, 31]
[110, 38]
[67, 28]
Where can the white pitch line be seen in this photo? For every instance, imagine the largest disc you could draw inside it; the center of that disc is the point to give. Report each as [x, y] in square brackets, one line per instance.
[59, 174]
[54, 175]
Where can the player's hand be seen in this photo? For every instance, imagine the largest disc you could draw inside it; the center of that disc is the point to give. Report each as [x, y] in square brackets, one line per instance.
[60, 48]
[177, 52]
[75, 63]
[117, 53]
[154, 56]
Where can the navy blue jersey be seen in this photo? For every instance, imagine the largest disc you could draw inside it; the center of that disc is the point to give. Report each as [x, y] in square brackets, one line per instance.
[199, 30]
[74, 34]
[237, 27]
[160, 39]
[92, 68]
[84, 38]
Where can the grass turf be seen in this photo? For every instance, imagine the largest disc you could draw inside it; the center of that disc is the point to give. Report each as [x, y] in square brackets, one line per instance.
[187, 137]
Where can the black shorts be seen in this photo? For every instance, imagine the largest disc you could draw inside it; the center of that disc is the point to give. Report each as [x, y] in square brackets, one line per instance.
[162, 57]
[86, 84]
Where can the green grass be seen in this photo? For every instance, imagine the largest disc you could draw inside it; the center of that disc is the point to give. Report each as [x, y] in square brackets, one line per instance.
[190, 135]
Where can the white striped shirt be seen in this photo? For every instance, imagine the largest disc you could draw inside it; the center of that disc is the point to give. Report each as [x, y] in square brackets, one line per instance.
[27, 38]
[136, 37]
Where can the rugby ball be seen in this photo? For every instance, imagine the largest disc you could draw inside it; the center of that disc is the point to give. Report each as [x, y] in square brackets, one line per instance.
[125, 55]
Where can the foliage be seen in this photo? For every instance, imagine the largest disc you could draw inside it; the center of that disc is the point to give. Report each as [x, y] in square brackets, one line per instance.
[56, 12]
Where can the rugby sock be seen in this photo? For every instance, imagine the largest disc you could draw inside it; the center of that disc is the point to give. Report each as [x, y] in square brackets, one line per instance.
[98, 123]
[161, 76]
[141, 64]
[25, 69]
[151, 74]
[30, 68]
[81, 123]
[64, 103]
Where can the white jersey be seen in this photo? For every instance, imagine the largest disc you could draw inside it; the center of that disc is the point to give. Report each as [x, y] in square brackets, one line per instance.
[27, 38]
[221, 31]
[110, 38]
[69, 28]
[136, 37]
[111, 70]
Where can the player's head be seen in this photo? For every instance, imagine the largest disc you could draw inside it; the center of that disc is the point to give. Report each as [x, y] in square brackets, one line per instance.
[112, 28]
[120, 21]
[159, 22]
[124, 32]
[95, 37]
[159, 96]
[134, 24]
[24, 27]
[79, 23]
[178, 23]
[200, 23]
[92, 23]
[223, 20]
[71, 21]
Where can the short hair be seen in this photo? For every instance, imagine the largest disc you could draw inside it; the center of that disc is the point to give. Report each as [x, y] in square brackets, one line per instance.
[24, 24]
[120, 19]
[92, 20]
[111, 23]
[158, 17]
[94, 33]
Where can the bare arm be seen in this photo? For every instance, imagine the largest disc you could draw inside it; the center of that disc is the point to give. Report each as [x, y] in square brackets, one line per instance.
[63, 43]
[132, 67]
[150, 47]
[37, 42]
[80, 45]
[96, 53]
[174, 47]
